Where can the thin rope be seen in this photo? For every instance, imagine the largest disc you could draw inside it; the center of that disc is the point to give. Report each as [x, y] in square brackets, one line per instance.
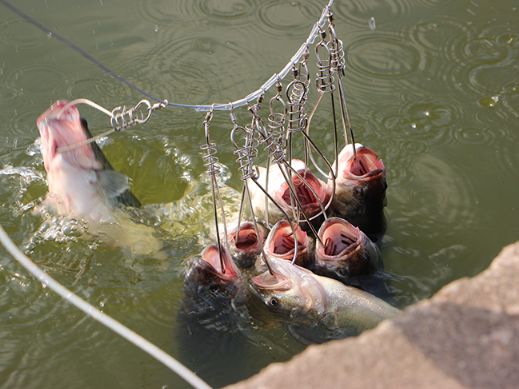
[201, 108]
[101, 317]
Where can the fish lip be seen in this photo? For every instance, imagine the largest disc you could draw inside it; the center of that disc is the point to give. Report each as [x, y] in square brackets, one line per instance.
[248, 228]
[329, 224]
[304, 195]
[372, 162]
[264, 282]
[283, 227]
[210, 262]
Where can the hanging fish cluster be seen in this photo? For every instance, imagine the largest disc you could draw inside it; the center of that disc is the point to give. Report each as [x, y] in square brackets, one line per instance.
[300, 241]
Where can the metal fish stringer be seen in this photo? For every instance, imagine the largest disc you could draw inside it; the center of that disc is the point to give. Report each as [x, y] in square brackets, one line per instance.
[246, 156]
[213, 168]
[118, 120]
[337, 64]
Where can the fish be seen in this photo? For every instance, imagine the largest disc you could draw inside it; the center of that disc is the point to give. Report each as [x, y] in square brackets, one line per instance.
[245, 247]
[360, 189]
[84, 185]
[81, 181]
[279, 190]
[346, 252]
[280, 243]
[210, 290]
[297, 296]
[206, 271]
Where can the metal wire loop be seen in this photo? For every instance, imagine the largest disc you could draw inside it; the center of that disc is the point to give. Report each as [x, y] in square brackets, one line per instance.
[123, 118]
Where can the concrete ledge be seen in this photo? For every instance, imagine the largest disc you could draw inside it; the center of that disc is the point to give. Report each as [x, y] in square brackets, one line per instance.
[465, 336]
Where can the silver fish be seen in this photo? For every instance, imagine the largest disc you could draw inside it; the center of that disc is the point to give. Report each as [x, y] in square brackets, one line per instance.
[82, 183]
[296, 295]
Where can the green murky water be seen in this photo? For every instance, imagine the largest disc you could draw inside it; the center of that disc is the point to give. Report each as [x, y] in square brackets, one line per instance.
[434, 90]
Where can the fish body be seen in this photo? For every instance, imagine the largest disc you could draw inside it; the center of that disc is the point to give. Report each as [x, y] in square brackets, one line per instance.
[82, 183]
[281, 244]
[360, 192]
[279, 190]
[298, 296]
[346, 252]
[245, 246]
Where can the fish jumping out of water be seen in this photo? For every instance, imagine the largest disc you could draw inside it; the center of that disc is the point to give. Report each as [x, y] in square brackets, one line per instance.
[296, 295]
[346, 252]
[360, 194]
[279, 190]
[82, 183]
[281, 244]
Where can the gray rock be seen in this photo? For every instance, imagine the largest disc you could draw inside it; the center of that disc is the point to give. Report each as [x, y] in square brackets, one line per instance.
[465, 336]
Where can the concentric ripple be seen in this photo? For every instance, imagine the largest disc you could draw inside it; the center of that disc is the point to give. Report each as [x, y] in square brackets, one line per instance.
[19, 33]
[289, 15]
[385, 13]
[384, 57]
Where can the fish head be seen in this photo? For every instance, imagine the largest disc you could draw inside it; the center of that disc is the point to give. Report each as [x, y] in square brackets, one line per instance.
[281, 243]
[59, 128]
[345, 250]
[208, 267]
[245, 243]
[360, 191]
[364, 165]
[310, 199]
[290, 291]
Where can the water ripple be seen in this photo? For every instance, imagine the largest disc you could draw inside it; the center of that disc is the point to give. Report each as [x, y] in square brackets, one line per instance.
[384, 57]
[289, 16]
[360, 11]
[19, 33]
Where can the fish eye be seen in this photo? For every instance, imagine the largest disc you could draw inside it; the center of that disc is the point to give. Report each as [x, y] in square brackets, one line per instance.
[359, 193]
[344, 272]
[273, 302]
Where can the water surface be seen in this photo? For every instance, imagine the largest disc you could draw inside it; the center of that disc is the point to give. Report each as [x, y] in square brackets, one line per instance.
[434, 90]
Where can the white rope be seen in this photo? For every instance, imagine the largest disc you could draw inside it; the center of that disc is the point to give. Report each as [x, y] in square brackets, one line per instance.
[101, 317]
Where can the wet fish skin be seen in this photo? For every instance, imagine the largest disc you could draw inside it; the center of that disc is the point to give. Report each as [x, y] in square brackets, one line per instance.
[280, 243]
[298, 296]
[279, 191]
[82, 183]
[360, 193]
[348, 252]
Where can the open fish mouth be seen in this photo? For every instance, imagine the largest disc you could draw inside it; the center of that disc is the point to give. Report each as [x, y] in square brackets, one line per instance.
[339, 238]
[212, 263]
[366, 164]
[306, 197]
[267, 281]
[247, 238]
[282, 242]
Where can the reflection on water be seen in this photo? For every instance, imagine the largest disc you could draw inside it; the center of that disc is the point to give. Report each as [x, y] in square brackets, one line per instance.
[433, 90]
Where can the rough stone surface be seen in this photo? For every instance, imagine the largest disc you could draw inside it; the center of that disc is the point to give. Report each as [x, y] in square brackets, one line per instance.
[465, 336]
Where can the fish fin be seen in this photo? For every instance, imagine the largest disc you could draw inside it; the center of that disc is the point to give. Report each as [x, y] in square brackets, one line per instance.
[112, 183]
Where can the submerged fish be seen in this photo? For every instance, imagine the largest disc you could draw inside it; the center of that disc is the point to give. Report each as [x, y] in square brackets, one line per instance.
[82, 183]
[347, 251]
[279, 190]
[360, 193]
[245, 247]
[296, 295]
[210, 290]
[281, 244]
